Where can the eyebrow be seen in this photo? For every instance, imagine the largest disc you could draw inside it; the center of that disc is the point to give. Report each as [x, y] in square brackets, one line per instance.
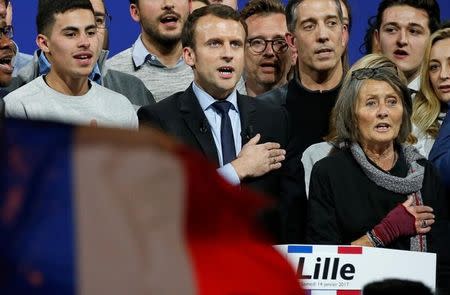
[277, 36]
[70, 28]
[312, 19]
[409, 25]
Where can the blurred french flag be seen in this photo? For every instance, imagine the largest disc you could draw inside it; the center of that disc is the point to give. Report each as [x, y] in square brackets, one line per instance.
[87, 211]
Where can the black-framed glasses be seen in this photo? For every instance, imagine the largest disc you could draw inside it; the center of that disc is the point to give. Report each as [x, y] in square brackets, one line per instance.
[259, 45]
[368, 73]
[7, 31]
[103, 20]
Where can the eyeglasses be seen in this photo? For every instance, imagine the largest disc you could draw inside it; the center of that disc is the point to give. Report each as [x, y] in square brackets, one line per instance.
[259, 45]
[103, 20]
[6, 31]
[368, 73]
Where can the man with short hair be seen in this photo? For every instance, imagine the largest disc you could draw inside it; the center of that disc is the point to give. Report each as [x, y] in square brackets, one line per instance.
[67, 34]
[403, 28]
[125, 84]
[155, 57]
[316, 30]
[229, 128]
[268, 58]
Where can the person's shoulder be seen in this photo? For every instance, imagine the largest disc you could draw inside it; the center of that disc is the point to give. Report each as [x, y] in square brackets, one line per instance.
[276, 96]
[119, 57]
[167, 105]
[317, 151]
[114, 76]
[260, 104]
[26, 92]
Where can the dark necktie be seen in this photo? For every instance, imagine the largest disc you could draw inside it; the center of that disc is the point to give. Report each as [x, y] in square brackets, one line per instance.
[226, 131]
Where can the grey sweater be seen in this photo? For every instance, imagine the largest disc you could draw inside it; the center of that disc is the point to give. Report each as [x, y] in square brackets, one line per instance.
[161, 81]
[37, 101]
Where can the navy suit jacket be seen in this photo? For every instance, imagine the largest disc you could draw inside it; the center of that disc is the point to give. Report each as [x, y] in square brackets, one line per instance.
[440, 153]
[182, 116]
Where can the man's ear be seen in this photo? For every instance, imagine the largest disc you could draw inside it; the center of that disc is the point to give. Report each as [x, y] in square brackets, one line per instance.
[189, 56]
[290, 40]
[134, 12]
[42, 43]
[376, 33]
[345, 35]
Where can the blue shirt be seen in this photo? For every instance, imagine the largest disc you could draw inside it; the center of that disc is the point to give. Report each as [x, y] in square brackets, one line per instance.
[141, 55]
[214, 120]
[44, 68]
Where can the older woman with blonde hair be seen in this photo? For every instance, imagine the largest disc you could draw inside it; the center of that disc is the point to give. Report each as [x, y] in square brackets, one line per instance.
[375, 190]
[431, 102]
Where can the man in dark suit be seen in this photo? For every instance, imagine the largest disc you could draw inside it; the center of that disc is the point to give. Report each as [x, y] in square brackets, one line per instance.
[246, 138]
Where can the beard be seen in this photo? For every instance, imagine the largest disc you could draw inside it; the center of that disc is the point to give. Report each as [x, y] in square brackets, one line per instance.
[166, 41]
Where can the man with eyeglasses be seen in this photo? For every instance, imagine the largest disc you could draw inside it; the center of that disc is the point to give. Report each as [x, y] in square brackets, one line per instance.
[268, 57]
[125, 84]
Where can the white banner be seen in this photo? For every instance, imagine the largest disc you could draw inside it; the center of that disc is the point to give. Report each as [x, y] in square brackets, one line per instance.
[321, 268]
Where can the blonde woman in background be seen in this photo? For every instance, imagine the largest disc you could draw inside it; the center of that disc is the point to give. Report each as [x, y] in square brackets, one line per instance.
[431, 102]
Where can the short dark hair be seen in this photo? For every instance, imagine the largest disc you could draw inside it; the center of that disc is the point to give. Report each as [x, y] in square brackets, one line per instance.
[396, 286]
[431, 7]
[217, 10]
[366, 46]
[263, 7]
[47, 9]
[133, 1]
[291, 15]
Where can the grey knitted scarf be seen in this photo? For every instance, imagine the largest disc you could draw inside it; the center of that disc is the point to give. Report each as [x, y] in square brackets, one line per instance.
[409, 185]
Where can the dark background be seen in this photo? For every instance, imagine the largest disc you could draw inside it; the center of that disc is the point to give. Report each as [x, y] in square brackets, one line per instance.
[124, 31]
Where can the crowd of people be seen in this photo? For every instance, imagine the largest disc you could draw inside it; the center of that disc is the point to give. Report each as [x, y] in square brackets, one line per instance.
[350, 154]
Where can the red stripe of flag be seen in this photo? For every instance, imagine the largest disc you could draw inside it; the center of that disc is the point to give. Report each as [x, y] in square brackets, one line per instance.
[349, 250]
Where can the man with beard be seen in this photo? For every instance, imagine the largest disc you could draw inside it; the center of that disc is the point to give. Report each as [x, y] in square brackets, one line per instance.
[155, 57]
[267, 56]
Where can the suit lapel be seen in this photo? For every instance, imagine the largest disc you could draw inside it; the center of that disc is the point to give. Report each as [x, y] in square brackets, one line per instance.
[247, 110]
[196, 121]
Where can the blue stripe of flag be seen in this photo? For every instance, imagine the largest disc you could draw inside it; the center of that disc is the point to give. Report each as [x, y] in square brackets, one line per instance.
[36, 210]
